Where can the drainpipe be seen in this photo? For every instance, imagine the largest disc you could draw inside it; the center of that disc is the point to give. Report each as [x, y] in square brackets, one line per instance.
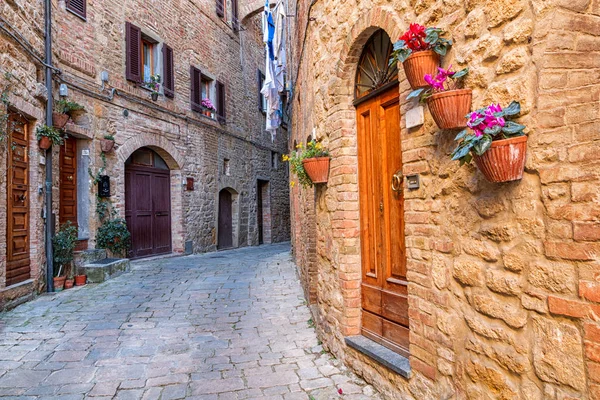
[49, 106]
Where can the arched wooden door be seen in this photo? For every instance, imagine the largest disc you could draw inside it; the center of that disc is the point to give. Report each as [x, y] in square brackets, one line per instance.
[384, 284]
[225, 239]
[148, 204]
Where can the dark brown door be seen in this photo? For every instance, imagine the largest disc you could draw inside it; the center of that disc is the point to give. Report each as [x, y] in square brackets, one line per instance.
[68, 182]
[225, 220]
[384, 285]
[259, 211]
[148, 210]
[18, 267]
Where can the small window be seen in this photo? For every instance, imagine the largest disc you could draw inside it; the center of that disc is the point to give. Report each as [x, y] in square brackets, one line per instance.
[274, 160]
[226, 168]
[262, 100]
[77, 7]
[221, 6]
[148, 59]
[202, 93]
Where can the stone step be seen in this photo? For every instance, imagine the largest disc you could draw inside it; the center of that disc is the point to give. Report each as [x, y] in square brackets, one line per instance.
[102, 270]
[81, 258]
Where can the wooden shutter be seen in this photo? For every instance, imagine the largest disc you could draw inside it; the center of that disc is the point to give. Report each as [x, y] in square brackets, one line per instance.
[220, 5]
[77, 7]
[234, 15]
[260, 79]
[168, 72]
[195, 90]
[133, 62]
[221, 102]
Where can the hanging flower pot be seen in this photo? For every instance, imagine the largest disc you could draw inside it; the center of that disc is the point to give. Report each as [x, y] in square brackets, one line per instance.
[59, 283]
[317, 169]
[80, 280]
[419, 64]
[45, 143]
[154, 96]
[449, 108]
[106, 145]
[59, 120]
[504, 161]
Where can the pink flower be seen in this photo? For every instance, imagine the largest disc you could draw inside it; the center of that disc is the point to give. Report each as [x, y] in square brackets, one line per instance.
[340, 391]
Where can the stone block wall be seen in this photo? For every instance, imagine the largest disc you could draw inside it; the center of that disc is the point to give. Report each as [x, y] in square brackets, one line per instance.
[503, 278]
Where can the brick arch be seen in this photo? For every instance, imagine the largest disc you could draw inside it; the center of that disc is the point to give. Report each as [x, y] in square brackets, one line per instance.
[253, 7]
[161, 145]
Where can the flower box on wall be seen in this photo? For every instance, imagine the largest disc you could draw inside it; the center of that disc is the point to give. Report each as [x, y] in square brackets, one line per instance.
[317, 169]
[419, 64]
[449, 108]
[504, 161]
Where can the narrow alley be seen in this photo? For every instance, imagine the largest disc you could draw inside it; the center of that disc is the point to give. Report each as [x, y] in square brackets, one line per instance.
[226, 325]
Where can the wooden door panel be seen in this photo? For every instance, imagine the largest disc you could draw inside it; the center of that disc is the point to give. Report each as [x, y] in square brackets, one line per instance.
[68, 181]
[225, 239]
[384, 287]
[161, 202]
[18, 258]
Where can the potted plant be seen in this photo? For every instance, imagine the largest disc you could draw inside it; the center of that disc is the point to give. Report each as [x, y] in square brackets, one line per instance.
[47, 136]
[154, 85]
[498, 146]
[208, 107]
[310, 165]
[80, 280]
[447, 102]
[114, 236]
[419, 50]
[63, 245]
[63, 110]
[107, 143]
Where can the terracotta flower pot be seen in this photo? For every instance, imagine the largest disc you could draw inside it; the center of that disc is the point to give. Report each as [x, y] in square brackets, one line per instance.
[80, 280]
[60, 120]
[317, 169]
[45, 143]
[106, 145]
[69, 283]
[449, 109]
[154, 96]
[59, 283]
[504, 161]
[418, 64]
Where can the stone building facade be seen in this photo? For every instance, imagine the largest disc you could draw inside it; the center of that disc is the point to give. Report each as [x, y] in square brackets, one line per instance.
[196, 162]
[503, 279]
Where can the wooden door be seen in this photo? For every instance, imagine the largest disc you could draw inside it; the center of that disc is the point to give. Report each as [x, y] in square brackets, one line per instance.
[18, 267]
[225, 220]
[68, 182]
[384, 285]
[148, 210]
[259, 211]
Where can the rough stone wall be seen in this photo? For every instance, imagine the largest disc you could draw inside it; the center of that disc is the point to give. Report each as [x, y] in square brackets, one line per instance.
[193, 145]
[503, 278]
[26, 94]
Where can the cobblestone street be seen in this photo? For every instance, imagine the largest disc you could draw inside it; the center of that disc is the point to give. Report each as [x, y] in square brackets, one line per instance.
[227, 325]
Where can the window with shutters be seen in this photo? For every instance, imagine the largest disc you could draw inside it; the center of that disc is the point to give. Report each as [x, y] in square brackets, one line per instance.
[221, 114]
[235, 23]
[149, 55]
[262, 100]
[221, 6]
[202, 93]
[77, 7]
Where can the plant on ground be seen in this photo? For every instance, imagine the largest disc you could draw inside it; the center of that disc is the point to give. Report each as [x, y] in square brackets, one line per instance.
[419, 38]
[114, 236]
[50, 132]
[487, 124]
[313, 149]
[445, 80]
[63, 244]
[64, 106]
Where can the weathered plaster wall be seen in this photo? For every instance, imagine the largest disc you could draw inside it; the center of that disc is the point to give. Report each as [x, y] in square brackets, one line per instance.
[504, 278]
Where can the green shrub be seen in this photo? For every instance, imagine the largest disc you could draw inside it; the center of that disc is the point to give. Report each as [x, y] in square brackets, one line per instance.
[114, 236]
[63, 245]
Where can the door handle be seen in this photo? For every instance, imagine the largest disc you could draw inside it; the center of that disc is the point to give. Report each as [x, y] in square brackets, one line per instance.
[70, 178]
[397, 179]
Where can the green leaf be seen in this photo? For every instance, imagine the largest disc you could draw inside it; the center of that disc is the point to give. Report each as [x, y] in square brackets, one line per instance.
[400, 44]
[483, 145]
[513, 108]
[499, 114]
[441, 50]
[494, 130]
[432, 37]
[461, 73]
[460, 152]
[415, 93]
[461, 134]
[477, 121]
[512, 128]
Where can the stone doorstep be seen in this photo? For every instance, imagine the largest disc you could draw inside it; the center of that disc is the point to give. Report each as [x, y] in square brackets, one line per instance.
[17, 294]
[84, 257]
[102, 270]
[381, 354]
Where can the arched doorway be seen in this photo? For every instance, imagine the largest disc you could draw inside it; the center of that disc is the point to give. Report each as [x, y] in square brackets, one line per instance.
[384, 285]
[148, 203]
[225, 220]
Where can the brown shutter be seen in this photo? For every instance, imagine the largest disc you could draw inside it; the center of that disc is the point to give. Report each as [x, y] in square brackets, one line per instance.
[77, 7]
[260, 79]
[221, 102]
[196, 92]
[220, 8]
[168, 72]
[133, 41]
[234, 15]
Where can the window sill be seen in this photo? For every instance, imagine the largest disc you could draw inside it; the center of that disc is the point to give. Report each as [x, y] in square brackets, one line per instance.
[381, 354]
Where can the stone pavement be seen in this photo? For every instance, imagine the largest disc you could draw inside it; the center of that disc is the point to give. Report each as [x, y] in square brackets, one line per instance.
[227, 325]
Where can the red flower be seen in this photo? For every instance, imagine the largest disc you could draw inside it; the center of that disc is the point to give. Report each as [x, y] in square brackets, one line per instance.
[414, 37]
[340, 391]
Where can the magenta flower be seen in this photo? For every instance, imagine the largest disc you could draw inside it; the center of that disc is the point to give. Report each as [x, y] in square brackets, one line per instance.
[489, 120]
